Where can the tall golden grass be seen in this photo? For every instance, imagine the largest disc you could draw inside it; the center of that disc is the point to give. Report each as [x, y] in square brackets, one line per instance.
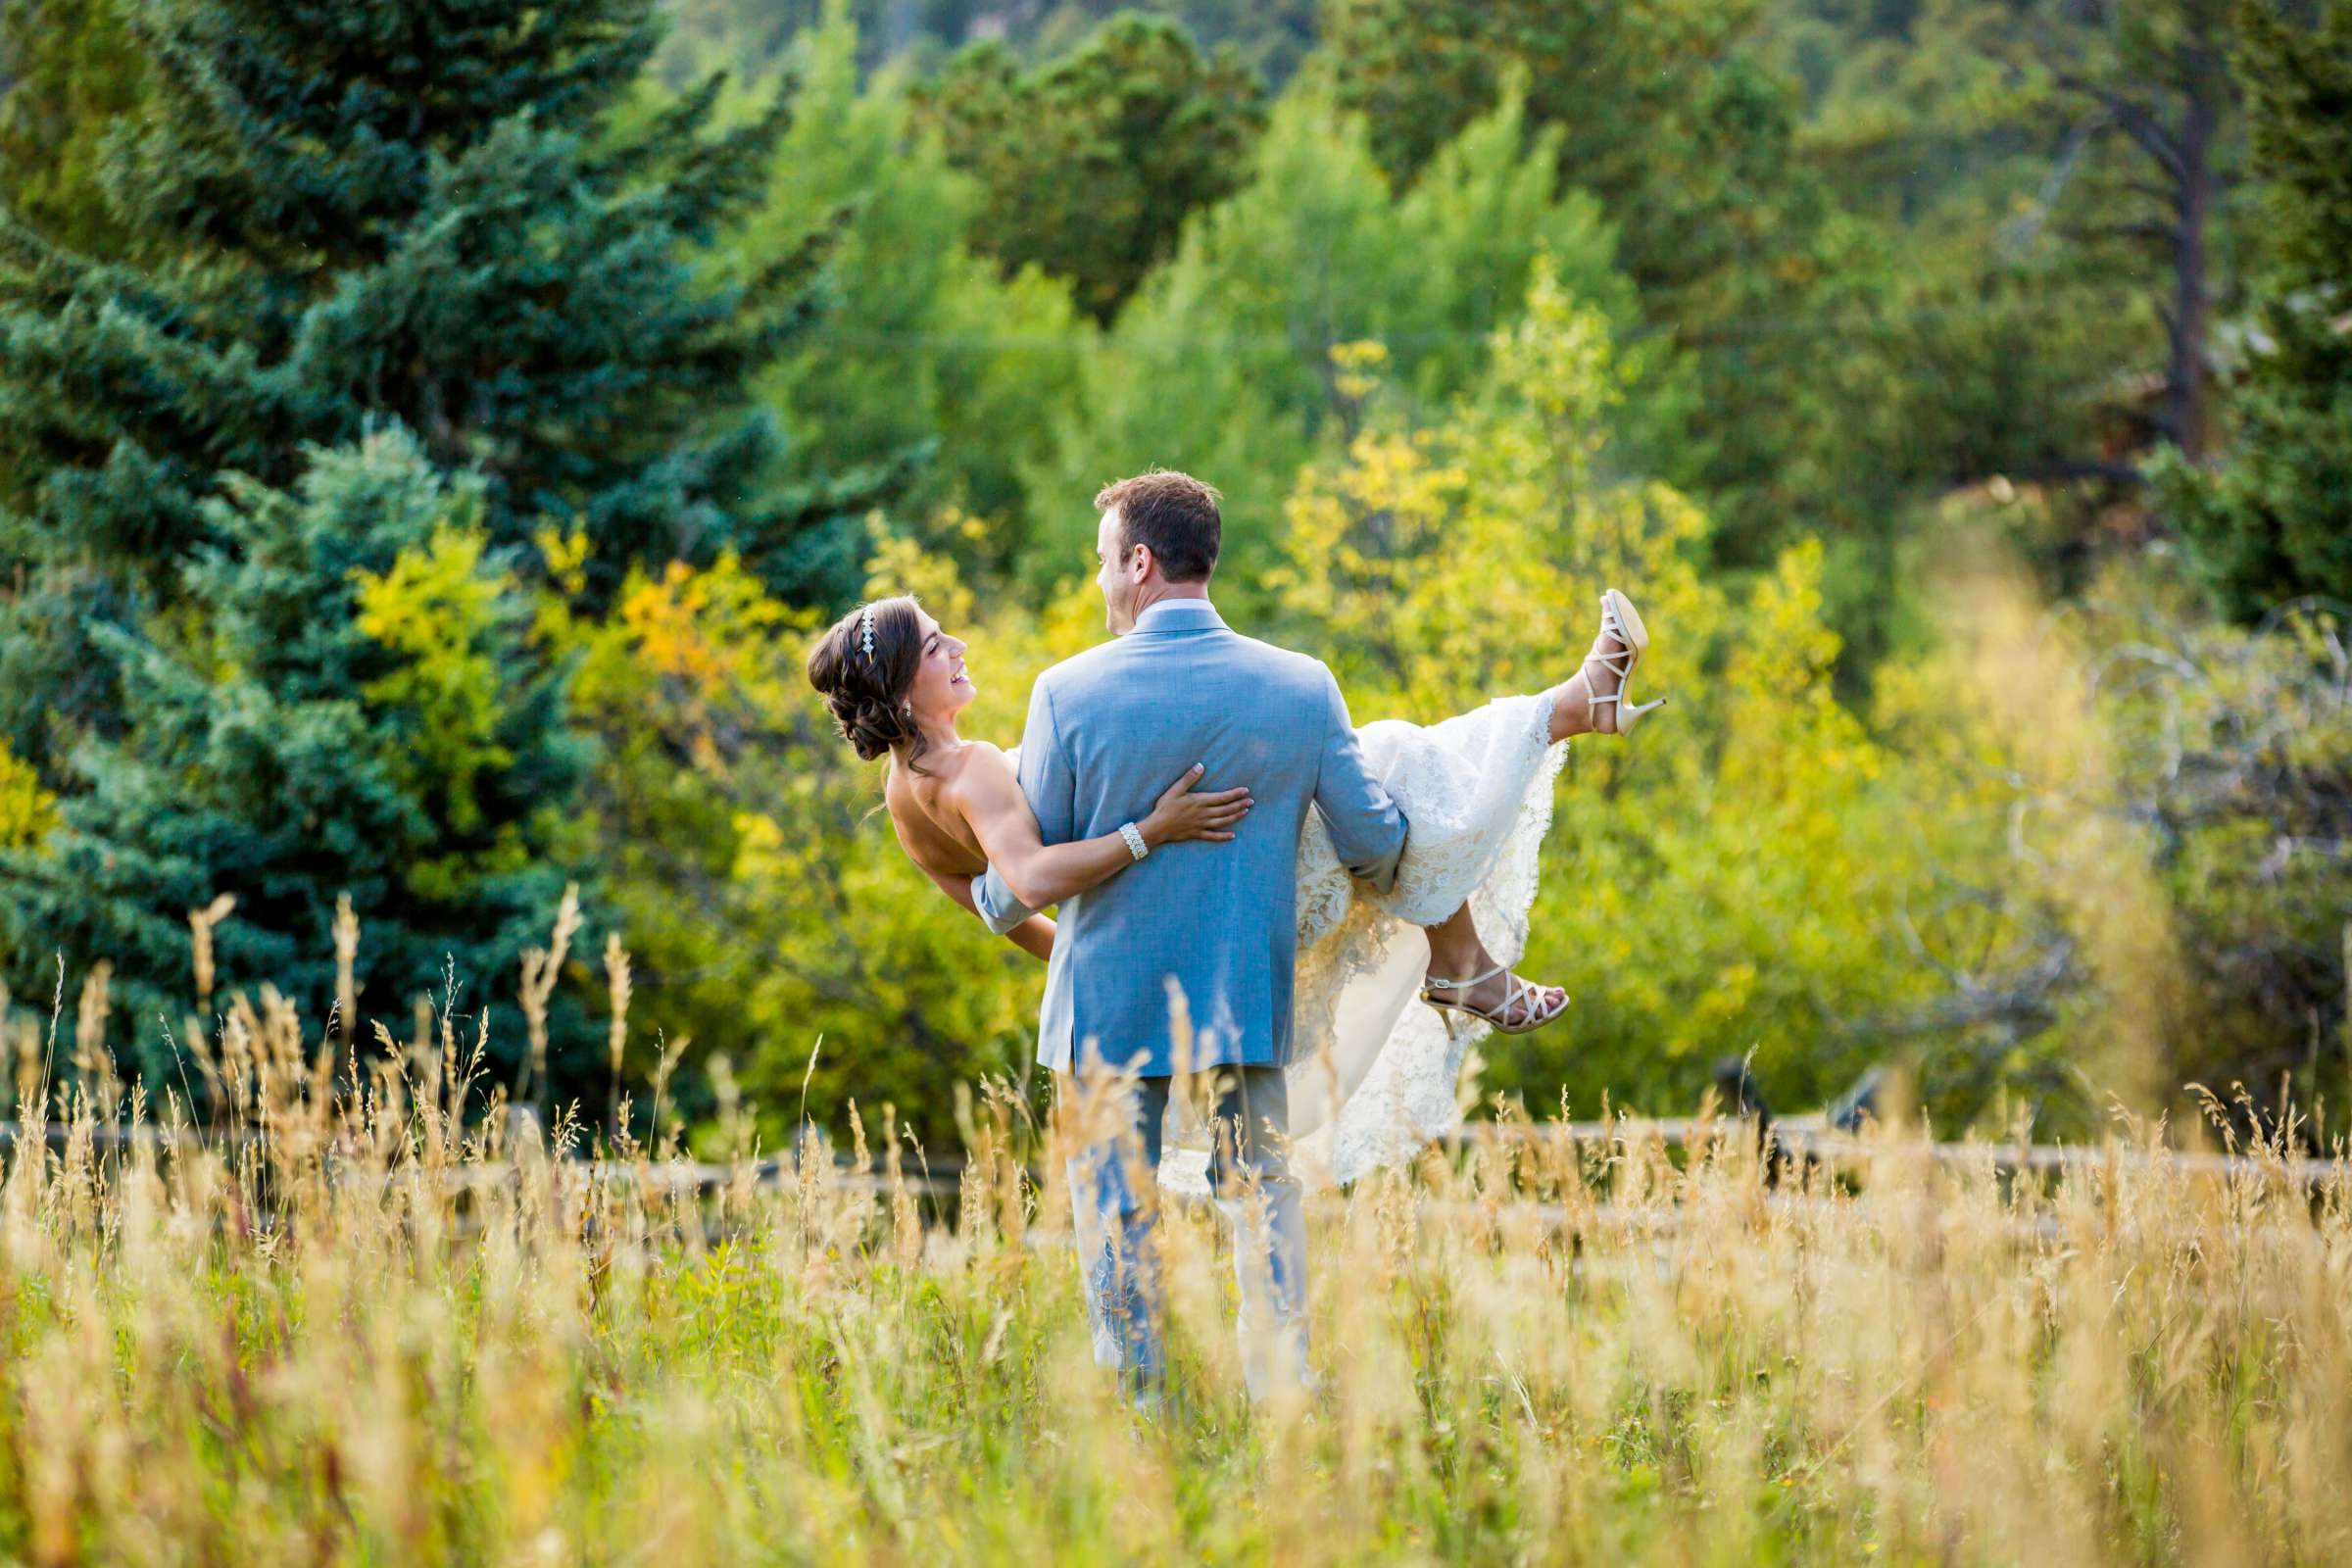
[359, 1318]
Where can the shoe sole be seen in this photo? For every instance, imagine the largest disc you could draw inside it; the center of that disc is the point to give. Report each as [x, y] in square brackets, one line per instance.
[1632, 619]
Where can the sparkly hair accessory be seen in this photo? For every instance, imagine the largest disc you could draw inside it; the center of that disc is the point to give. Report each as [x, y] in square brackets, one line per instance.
[866, 633]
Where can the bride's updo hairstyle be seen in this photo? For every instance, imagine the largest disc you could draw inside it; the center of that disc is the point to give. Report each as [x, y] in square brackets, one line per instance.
[869, 693]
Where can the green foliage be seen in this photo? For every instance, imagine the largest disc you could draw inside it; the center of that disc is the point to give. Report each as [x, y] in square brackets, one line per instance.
[2274, 521]
[752, 37]
[376, 215]
[364, 370]
[1907, 247]
[924, 359]
[1221, 367]
[359, 710]
[70, 70]
[2149, 95]
[1966, 886]
[1089, 164]
[1273, 36]
[2062, 177]
[448, 623]
[1419, 72]
[26, 811]
[450, 242]
[752, 836]
[1975, 307]
[1439, 565]
[1667, 115]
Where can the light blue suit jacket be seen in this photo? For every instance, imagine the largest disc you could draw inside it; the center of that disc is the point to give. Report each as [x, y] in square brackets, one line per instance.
[1108, 731]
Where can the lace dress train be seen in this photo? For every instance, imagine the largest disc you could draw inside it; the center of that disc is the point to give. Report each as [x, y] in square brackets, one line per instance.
[1372, 1073]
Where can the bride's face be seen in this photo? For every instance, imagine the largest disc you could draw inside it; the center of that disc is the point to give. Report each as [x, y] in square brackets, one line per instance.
[941, 685]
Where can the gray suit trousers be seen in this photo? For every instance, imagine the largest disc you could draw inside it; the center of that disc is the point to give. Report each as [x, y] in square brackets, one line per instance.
[1115, 1201]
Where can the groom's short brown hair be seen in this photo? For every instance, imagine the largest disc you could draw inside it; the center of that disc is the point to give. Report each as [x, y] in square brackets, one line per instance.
[1172, 513]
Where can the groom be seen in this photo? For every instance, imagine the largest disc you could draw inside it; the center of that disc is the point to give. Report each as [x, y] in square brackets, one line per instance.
[1201, 936]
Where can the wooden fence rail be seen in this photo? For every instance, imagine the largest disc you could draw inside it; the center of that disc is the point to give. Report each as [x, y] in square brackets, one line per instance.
[1798, 1139]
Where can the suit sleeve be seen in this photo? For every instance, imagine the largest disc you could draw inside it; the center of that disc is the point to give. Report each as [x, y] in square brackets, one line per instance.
[1367, 829]
[1053, 795]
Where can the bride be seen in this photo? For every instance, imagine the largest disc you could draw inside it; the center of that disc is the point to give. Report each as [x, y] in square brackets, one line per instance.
[1371, 1077]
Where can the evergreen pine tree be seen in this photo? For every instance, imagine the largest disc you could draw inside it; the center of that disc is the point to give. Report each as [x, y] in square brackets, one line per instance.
[358, 714]
[68, 71]
[2274, 521]
[394, 210]
[403, 288]
[1100, 154]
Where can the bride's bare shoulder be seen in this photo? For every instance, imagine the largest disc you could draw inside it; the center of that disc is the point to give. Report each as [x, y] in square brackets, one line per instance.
[973, 771]
[978, 772]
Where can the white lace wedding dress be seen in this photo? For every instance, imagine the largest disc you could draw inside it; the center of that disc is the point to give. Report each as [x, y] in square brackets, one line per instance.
[1374, 1073]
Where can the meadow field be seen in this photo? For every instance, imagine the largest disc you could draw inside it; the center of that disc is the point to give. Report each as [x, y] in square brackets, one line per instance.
[355, 1322]
[434, 437]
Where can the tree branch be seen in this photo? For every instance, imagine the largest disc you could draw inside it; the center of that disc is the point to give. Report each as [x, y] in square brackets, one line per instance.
[2152, 231]
[2136, 120]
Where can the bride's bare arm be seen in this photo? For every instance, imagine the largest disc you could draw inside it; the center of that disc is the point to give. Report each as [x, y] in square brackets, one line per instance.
[1033, 936]
[1039, 873]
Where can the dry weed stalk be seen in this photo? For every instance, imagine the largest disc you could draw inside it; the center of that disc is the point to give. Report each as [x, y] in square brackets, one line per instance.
[542, 968]
[617, 983]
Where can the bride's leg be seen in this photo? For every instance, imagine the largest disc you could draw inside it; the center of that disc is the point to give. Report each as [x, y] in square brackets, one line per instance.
[1572, 700]
[1572, 708]
[1456, 953]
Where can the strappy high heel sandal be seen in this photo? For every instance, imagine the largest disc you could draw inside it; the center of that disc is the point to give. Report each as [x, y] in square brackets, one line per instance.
[1517, 993]
[1620, 620]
